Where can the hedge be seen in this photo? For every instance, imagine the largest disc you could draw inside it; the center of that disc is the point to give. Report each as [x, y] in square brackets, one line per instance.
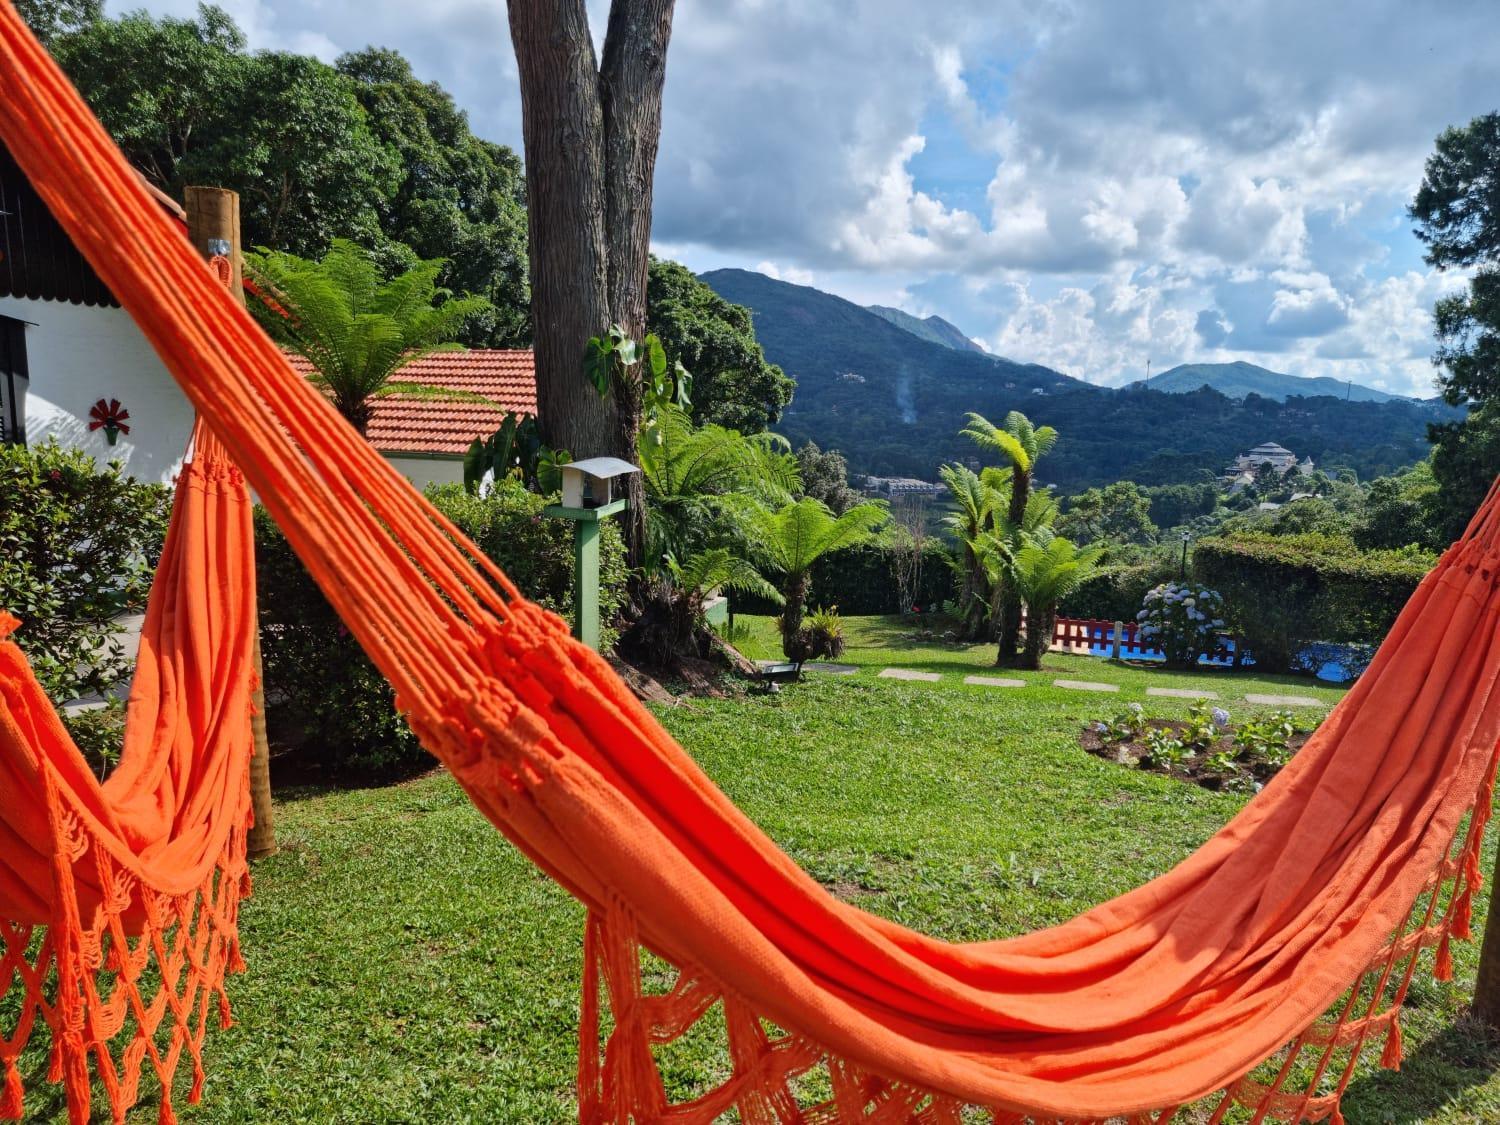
[1285, 592]
[861, 581]
[78, 546]
[326, 695]
[1116, 593]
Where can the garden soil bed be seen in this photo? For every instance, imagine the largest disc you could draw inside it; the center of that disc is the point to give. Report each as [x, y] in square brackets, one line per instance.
[1136, 754]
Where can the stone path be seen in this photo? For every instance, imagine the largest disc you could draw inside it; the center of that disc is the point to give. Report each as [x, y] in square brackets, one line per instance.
[912, 675]
[909, 674]
[1284, 700]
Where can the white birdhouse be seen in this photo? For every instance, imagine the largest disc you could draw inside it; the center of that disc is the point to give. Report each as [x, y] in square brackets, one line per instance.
[590, 483]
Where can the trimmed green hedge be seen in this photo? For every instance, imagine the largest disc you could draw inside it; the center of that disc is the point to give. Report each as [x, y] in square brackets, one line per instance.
[323, 690]
[861, 581]
[1115, 593]
[1284, 592]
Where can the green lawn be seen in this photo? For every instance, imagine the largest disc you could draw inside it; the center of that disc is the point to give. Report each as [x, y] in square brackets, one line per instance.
[407, 965]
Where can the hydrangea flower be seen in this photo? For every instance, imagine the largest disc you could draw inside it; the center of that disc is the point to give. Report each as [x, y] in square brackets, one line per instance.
[1221, 717]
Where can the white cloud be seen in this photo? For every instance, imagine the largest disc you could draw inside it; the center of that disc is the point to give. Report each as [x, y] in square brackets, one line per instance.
[1082, 182]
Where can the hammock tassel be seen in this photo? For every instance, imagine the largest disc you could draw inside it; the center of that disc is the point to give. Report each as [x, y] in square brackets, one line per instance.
[1463, 913]
[1390, 1058]
[12, 1102]
[1443, 969]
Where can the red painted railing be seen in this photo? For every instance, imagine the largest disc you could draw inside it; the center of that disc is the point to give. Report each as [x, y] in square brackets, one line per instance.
[1080, 634]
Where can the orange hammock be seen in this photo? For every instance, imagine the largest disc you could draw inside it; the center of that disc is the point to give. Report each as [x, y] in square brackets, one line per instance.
[1211, 980]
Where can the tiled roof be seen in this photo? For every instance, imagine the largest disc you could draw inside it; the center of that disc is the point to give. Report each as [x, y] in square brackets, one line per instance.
[447, 427]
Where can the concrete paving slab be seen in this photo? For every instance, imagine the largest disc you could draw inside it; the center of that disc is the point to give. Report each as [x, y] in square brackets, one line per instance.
[993, 681]
[1284, 700]
[909, 674]
[1181, 693]
[1085, 685]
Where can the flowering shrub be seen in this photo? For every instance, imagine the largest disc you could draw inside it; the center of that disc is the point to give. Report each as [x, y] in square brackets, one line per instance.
[1183, 620]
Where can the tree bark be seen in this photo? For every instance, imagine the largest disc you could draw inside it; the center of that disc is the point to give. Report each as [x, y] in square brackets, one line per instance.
[591, 135]
[214, 214]
[1010, 602]
[1487, 984]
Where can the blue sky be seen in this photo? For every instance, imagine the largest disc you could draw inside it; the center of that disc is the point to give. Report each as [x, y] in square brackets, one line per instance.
[1089, 184]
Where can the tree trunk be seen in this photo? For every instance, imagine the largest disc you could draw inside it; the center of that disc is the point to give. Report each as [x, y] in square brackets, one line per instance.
[213, 214]
[791, 615]
[1487, 985]
[1039, 625]
[1010, 602]
[591, 137]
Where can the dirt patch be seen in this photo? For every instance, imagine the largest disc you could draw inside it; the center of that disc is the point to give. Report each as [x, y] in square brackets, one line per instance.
[1220, 765]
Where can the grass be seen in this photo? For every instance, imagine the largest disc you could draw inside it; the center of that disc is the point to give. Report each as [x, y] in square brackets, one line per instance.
[406, 964]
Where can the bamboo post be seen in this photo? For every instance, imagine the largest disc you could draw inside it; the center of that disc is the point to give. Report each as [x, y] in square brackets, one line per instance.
[213, 218]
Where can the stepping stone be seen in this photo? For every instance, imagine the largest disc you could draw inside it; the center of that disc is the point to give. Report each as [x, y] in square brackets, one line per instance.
[993, 681]
[1181, 693]
[1085, 685]
[1285, 700]
[909, 674]
[832, 669]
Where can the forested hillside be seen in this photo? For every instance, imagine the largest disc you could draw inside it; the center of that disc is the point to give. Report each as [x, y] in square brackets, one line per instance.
[894, 403]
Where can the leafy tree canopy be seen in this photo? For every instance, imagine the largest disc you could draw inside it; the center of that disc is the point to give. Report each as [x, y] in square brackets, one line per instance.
[363, 151]
[456, 196]
[733, 385]
[51, 18]
[1457, 211]
[1117, 513]
[825, 477]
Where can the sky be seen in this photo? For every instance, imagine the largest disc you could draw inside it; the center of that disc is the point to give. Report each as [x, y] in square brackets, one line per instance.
[1087, 184]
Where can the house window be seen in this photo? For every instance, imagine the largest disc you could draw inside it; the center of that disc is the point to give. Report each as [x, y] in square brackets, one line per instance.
[13, 379]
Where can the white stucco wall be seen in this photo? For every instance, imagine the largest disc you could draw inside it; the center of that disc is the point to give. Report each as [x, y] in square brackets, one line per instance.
[77, 355]
[422, 471]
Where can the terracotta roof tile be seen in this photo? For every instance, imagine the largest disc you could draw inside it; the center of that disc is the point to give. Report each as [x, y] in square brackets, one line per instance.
[434, 426]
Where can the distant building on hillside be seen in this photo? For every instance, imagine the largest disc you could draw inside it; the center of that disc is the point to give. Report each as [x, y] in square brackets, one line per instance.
[899, 487]
[1279, 458]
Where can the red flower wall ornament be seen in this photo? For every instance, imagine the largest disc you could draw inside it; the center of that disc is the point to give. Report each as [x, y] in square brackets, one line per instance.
[109, 417]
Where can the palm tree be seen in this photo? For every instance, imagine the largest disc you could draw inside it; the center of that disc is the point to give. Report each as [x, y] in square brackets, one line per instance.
[974, 505]
[355, 328]
[792, 538]
[1044, 575]
[1022, 444]
[999, 547]
[699, 480]
[685, 585]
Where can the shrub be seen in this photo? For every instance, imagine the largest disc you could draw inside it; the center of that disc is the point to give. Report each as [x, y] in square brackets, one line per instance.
[320, 683]
[821, 637]
[862, 581]
[1115, 593]
[1283, 592]
[1183, 620]
[78, 545]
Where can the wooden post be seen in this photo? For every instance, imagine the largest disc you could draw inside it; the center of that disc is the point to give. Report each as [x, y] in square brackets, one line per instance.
[1118, 634]
[213, 217]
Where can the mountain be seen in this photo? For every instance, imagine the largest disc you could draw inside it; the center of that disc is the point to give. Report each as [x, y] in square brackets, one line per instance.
[1236, 380]
[934, 329]
[894, 404]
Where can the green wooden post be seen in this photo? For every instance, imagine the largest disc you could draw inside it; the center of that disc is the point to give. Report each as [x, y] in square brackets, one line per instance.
[586, 583]
[586, 565]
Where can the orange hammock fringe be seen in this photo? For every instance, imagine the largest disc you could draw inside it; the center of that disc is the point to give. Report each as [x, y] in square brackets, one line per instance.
[1254, 973]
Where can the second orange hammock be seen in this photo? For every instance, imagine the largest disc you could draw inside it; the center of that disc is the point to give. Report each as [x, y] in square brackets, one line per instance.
[1336, 876]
